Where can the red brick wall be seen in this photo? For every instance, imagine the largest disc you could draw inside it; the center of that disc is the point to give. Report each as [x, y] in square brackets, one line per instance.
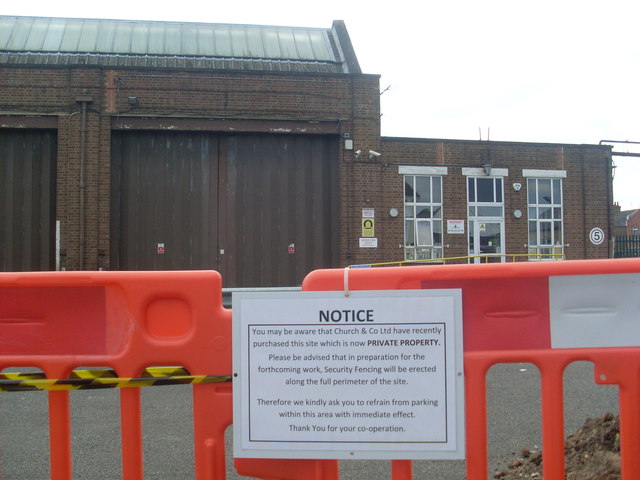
[587, 195]
[352, 103]
[364, 129]
[349, 102]
[634, 221]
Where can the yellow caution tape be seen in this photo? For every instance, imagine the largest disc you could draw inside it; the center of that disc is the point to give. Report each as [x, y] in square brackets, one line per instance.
[103, 378]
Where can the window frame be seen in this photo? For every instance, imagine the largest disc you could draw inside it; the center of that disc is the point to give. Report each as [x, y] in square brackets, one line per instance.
[545, 218]
[419, 216]
[474, 206]
[489, 210]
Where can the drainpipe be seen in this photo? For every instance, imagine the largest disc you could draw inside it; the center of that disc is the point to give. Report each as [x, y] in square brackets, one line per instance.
[609, 189]
[584, 205]
[84, 100]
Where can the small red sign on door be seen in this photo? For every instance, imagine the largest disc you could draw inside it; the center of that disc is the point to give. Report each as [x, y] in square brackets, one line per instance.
[160, 249]
[292, 248]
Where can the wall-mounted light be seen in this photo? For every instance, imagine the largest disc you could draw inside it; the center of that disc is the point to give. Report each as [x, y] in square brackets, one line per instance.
[487, 169]
[133, 101]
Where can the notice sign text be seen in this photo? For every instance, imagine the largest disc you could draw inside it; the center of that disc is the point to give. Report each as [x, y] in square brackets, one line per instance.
[372, 375]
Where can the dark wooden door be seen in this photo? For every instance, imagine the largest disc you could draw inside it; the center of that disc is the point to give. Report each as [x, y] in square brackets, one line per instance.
[27, 209]
[279, 196]
[260, 209]
[164, 201]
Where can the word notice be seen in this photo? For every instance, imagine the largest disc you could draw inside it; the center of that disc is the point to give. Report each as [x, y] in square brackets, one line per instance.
[375, 375]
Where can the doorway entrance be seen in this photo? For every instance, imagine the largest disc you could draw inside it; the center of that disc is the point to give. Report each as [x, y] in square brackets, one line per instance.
[261, 209]
[486, 240]
[486, 219]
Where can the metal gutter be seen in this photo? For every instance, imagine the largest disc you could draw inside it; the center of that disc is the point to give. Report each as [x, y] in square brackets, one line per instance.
[621, 154]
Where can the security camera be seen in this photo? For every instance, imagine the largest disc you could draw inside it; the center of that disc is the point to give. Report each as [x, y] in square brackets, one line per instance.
[373, 153]
[358, 152]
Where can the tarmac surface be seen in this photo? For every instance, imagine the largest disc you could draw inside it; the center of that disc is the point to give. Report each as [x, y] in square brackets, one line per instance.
[513, 397]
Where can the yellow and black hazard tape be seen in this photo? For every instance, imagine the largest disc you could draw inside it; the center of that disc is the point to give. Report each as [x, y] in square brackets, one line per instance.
[103, 378]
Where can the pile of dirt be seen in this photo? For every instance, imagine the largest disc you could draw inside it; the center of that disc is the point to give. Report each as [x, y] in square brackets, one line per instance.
[592, 453]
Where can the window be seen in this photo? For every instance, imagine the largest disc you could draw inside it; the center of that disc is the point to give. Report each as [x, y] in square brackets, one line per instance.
[485, 196]
[485, 218]
[545, 218]
[422, 217]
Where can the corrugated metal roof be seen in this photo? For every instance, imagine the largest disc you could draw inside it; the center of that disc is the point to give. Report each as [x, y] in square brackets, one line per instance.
[65, 41]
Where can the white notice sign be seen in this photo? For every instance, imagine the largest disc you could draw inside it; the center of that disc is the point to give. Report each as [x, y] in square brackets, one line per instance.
[368, 212]
[455, 226]
[371, 376]
[368, 242]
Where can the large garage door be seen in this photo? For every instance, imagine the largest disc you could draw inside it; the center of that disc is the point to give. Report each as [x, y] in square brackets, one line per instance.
[163, 201]
[27, 210]
[260, 209]
[280, 197]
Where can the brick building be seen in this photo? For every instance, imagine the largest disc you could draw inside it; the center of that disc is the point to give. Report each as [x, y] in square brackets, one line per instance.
[255, 151]
[633, 224]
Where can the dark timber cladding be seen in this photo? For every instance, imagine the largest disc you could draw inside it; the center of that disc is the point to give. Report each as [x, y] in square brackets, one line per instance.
[282, 210]
[261, 209]
[27, 213]
[163, 200]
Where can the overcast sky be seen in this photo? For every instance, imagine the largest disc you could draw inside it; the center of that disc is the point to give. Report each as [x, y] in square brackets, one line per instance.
[551, 71]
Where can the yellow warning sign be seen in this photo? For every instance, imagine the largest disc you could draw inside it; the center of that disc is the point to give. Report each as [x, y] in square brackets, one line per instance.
[368, 229]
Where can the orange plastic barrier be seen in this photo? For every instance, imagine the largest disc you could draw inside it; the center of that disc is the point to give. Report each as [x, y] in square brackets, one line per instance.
[129, 321]
[507, 319]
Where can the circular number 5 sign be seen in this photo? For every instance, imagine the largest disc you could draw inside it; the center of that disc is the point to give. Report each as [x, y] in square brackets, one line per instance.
[596, 235]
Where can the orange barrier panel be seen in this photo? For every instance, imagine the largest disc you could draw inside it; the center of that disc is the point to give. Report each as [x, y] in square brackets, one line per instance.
[290, 469]
[129, 321]
[57, 321]
[520, 313]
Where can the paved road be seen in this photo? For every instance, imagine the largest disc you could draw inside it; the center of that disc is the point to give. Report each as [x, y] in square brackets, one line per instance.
[514, 411]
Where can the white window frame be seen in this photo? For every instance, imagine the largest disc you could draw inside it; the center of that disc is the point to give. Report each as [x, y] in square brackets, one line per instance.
[545, 215]
[474, 206]
[423, 248]
[475, 213]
